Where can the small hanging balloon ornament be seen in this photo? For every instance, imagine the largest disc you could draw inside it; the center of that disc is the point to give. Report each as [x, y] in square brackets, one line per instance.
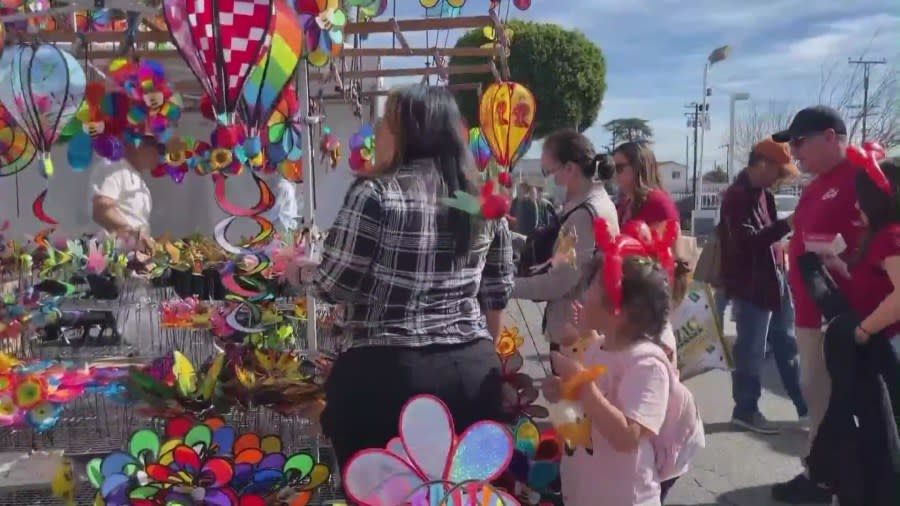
[100, 121]
[269, 80]
[41, 87]
[493, 38]
[330, 147]
[155, 107]
[481, 152]
[506, 112]
[16, 151]
[323, 26]
[362, 149]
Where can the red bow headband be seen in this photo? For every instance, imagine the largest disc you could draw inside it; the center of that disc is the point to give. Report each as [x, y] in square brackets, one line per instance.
[636, 239]
[868, 157]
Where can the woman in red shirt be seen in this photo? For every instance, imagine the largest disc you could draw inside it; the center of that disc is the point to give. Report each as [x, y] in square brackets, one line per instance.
[641, 195]
[875, 291]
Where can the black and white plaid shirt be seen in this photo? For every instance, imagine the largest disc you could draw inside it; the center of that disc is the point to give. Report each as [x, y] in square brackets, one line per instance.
[402, 284]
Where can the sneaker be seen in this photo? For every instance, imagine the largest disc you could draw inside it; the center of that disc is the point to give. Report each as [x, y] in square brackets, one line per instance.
[756, 423]
[800, 490]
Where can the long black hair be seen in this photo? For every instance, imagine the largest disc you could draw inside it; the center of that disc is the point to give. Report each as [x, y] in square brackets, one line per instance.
[427, 126]
[880, 208]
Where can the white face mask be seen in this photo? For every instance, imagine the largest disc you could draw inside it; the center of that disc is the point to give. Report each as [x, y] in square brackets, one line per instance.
[557, 193]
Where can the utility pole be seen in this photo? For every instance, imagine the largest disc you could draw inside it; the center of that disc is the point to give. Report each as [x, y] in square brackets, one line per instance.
[687, 160]
[867, 64]
[694, 122]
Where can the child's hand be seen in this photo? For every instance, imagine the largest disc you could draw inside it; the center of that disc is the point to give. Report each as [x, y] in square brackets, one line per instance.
[552, 389]
[564, 366]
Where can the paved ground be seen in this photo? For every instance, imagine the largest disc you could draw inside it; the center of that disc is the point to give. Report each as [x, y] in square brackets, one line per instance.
[736, 468]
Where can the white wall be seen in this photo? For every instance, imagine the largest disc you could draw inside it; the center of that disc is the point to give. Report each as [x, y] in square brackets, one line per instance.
[177, 208]
[674, 176]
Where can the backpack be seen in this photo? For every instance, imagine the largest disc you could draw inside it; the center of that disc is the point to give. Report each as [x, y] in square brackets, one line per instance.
[681, 435]
[539, 244]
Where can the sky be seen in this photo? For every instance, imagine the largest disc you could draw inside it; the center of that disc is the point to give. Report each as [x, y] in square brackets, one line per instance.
[655, 51]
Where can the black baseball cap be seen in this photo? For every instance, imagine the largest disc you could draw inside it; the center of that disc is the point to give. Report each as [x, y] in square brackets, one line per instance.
[811, 121]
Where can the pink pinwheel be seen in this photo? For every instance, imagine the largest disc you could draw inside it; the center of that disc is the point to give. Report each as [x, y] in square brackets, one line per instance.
[429, 464]
[96, 260]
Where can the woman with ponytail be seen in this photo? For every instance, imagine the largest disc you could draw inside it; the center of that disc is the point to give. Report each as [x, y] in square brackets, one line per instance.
[413, 275]
[576, 172]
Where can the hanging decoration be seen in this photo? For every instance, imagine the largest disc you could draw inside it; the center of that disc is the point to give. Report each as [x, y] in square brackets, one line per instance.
[100, 20]
[101, 121]
[41, 87]
[442, 8]
[506, 112]
[522, 5]
[269, 79]
[16, 150]
[323, 24]
[429, 464]
[155, 107]
[284, 149]
[330, 148]
[479, 148]
[369, 9]
[493, 41]
[206, 462]
[362, 149]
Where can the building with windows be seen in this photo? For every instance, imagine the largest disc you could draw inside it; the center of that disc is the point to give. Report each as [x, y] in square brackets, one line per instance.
[675, 177]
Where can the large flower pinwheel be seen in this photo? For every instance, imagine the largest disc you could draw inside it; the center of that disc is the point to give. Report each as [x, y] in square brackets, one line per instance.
[323, 25]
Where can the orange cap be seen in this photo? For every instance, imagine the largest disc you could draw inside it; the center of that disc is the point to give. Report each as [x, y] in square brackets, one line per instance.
[777, 153]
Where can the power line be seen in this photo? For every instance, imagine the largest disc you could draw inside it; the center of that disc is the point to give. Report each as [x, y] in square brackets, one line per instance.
[866, 64]
[693, 117]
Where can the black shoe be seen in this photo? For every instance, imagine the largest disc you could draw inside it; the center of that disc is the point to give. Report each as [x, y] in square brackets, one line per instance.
[800, 490]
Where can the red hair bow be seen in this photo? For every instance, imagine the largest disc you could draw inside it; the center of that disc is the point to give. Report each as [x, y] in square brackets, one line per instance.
[868, 157]
[636, 239]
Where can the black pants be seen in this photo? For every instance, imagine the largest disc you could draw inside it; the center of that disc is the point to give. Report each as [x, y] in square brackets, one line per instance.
[368, 387]
[665, 487]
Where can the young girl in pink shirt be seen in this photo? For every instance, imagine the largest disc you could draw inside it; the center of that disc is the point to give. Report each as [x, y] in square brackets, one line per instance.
[628, 404]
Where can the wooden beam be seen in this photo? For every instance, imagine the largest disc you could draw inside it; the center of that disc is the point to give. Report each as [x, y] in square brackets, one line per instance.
[349, 52]
[369, 27]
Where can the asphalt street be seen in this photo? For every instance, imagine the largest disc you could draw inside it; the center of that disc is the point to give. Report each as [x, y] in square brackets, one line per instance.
[736, 468]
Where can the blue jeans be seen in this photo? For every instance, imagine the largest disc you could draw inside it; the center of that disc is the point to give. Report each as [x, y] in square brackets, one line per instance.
[756, 325]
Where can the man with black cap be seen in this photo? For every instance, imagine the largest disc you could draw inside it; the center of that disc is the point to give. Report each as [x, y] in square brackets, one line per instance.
[826, 210]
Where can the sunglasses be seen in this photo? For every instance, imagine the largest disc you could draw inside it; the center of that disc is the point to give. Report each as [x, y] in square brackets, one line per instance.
[797, 142]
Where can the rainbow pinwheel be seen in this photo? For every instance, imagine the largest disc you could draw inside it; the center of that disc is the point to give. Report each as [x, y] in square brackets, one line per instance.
[429, 464]
[284, 145]
[16, 150]
[100, 120]
[323, 24]
[204, 463]
[533, 473]
[269, 79]
[41, 87]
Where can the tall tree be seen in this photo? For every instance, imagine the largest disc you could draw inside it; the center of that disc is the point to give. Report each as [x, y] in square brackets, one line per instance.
[564, 69]
[629, 129]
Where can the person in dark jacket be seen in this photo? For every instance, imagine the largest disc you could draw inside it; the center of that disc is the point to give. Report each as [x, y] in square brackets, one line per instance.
[753, 278]
[856, 451]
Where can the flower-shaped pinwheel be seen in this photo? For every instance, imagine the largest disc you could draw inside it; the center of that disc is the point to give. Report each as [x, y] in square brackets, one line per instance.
[263, 468]
[429, 462]
[533, 473]
[323, 25]
[362, 149]
[283, 380]
[519, 392]
[191, 392]
[16, 150]
[175, 161]
[509, 342]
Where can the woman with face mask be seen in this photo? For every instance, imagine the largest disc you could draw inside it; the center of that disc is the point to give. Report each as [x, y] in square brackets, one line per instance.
[577, 172]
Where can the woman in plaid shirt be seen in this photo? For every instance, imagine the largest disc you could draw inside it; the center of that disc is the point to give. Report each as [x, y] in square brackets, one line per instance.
[414, 276]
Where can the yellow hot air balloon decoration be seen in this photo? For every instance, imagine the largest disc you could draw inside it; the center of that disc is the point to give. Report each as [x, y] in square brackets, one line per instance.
[506, 113]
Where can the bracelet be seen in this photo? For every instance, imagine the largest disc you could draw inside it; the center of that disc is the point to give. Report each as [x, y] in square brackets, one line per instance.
[570, 387]
[864, 331]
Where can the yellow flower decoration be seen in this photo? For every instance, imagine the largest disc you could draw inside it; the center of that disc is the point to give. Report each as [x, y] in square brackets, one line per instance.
[29, 393]
[509, 342]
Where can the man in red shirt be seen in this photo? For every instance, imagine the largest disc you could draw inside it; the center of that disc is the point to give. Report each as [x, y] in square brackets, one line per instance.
[826, 210]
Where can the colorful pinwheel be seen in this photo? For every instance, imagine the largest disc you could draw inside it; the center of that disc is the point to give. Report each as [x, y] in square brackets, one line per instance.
[155, 106]
[101, 120]
[519, 393]
[323, 24]
[369, 9]
[533, 473]
[41, 87]
[16, 150]
[269, 79]
[506, 112]
[428, 462]
[100, 20]
[284, 136]
[362, 149]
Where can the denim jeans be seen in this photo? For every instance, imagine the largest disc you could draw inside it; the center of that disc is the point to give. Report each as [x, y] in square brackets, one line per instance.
[756, 325]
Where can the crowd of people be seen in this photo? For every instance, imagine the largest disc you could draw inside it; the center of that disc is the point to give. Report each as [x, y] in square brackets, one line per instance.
[424, 287]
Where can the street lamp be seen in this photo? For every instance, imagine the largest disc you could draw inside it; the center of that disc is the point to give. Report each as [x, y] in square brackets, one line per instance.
[718, 54]
[734, 98]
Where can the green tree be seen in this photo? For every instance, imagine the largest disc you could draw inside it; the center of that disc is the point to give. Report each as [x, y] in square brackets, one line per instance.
[564, 69]
[629, 129]
[717, 175]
